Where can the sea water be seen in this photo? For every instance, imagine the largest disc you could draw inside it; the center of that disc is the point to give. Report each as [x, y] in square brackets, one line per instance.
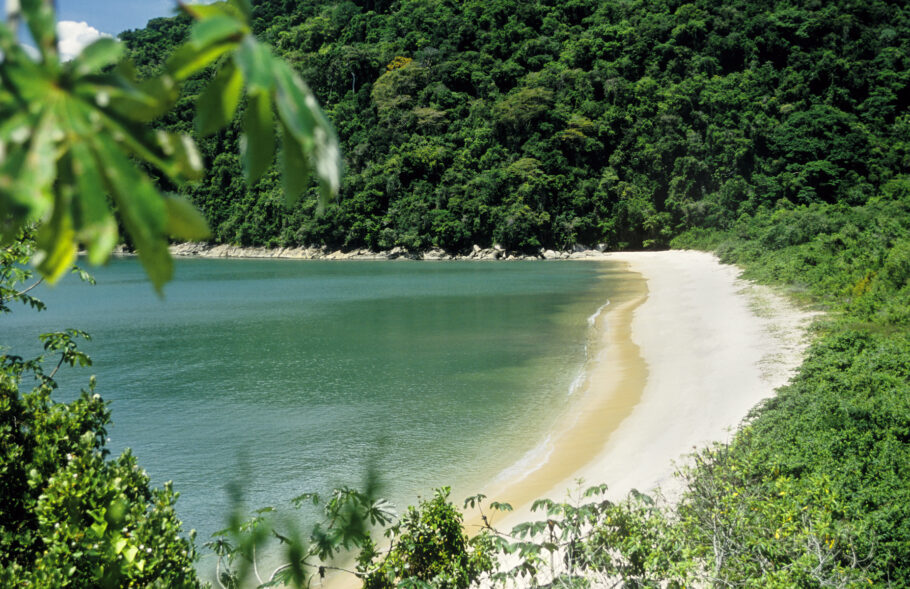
[286, 376]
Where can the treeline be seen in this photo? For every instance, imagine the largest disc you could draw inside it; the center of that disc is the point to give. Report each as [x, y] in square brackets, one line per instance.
[553, 123]
[814, 491]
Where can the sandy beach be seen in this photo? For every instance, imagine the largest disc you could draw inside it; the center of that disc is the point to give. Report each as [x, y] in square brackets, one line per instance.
[684, 355]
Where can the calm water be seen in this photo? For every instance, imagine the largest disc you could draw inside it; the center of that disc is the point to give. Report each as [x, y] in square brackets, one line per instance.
[292, 376]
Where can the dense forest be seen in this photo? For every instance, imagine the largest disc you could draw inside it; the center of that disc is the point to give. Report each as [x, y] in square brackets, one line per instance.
[553, 123]
[776, 134]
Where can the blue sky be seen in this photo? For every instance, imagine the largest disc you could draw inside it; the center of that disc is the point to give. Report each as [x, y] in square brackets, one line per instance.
[114, 16]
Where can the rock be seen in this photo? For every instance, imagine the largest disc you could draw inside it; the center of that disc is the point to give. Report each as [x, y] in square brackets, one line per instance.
[550, 255]
[476, 248]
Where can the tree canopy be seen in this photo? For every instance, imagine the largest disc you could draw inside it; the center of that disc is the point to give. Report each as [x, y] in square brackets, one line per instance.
[641, 119]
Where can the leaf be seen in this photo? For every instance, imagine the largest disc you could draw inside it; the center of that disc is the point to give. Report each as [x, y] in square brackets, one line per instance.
[257, 145]
[142, 209]
[94, 224]
[214, 9]
[130, 553]
[140, 101]
[295, 169]
[183, 160]
[255, 61]
[216, 107]
[548, 503]
[189, 58]
[55, 241]
[244, 6]
[217, 28]
[299, 110]
[42, 24]
[95, 57]
[27, 173]
[184, 221]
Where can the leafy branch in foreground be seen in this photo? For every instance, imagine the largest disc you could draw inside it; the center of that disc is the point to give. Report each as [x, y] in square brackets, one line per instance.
[75, 137]
[245, 546]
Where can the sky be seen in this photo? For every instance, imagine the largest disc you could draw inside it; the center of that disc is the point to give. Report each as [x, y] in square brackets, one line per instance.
[113, 16]
[82, 21]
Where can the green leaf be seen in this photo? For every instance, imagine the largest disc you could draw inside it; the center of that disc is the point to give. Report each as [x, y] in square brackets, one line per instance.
[257, 145]
[95, 57]
[28, 172]
[142, 209]
[244, 6]
[184, 221]
[224, 8]
[217, 105]
[94, 224]
[255, 61]
[55, 241]
[295, 169]
[140, 101]
[217, 28]
[299, 111]
[183, 159]
[189, 58]
[42, 24]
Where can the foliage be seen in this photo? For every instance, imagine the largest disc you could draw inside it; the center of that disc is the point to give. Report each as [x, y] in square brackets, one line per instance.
[348, 518]
[73, 132]
[430, 548]
[69, 515]
[831, 450]
[646, 118]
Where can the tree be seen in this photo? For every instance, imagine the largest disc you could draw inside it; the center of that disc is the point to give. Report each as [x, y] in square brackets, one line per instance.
[73, 133]
[69, 515]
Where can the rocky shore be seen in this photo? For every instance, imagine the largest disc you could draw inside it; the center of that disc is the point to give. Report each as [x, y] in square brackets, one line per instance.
[209, 250]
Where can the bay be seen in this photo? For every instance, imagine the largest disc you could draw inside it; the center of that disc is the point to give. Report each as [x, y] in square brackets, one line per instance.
[287, 377]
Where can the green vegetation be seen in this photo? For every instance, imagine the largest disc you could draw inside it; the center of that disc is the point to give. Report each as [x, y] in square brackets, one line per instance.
[554, 123]
[74, 132]
[69, 515]
[835, 443]
[773, 133]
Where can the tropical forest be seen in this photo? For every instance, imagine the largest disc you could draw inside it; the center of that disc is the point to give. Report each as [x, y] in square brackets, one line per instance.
[774, 134]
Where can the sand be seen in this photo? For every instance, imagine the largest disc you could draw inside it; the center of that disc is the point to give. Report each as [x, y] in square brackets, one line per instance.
[683, 351]
[683, 359]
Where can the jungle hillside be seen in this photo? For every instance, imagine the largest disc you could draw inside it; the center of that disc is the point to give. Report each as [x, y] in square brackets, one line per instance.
[776, 134]
[550, 124]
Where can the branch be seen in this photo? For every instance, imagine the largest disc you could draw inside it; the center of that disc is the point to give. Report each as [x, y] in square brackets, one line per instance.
[19, 294]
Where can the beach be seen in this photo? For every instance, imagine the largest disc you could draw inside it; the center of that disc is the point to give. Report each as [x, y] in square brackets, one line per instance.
[683, 356]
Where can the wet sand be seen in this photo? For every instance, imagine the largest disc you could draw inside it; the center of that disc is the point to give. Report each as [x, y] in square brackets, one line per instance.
[686, 351]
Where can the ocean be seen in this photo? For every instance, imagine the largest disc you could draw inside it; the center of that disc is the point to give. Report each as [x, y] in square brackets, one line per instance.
[287, 376]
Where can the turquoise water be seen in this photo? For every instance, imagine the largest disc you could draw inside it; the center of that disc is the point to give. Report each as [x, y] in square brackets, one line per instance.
[290, 376]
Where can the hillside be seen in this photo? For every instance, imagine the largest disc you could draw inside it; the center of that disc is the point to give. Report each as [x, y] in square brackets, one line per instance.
[777, 134]
[553, 123]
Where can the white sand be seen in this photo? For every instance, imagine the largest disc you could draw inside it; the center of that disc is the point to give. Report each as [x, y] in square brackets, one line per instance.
[714, 346]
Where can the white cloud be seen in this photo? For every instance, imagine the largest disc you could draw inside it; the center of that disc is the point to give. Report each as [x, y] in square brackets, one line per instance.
[74, 36]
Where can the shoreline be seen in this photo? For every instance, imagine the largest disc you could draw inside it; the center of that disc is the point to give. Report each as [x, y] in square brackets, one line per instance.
[210, 250]
[679, 356]
[680, 367]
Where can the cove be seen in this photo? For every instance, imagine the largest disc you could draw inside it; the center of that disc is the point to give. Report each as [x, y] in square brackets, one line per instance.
[287, 377]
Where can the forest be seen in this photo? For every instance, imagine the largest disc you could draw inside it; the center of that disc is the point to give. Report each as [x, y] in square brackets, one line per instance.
[552, 123]
[776, 134]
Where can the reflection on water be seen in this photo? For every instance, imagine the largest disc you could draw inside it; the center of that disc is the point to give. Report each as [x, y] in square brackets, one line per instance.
[292, 376]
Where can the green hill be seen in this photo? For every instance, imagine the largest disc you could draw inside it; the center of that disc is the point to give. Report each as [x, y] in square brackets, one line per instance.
[552, 123]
